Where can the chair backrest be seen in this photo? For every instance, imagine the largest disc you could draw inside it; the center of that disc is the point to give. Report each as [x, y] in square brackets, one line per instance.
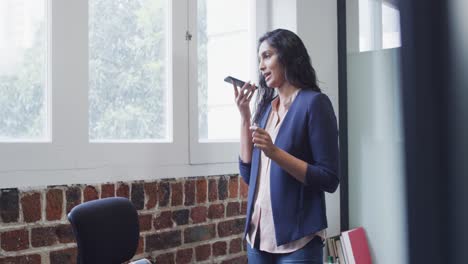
[106, 230]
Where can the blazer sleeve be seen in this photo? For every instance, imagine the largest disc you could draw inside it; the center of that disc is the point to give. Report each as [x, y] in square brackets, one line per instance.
[323, 140]
[244, 170]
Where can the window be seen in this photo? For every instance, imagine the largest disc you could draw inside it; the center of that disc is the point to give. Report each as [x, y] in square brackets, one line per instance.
[23, 68]
[128, 75]
[223, 49]
[366, 25]
[390, 26]
[122, 74]
[223, 43]
[379, 24]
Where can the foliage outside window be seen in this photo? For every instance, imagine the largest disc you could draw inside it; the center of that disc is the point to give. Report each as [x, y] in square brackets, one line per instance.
[23, 103]
[128, 95]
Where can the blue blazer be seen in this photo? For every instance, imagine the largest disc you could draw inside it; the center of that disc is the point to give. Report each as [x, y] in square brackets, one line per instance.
[308, 132]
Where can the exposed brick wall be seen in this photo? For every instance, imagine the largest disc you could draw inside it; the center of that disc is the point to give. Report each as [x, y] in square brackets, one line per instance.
[188, 220]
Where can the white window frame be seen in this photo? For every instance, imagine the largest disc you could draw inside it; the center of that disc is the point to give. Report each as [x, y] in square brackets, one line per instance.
[70, 158]
[220, 152]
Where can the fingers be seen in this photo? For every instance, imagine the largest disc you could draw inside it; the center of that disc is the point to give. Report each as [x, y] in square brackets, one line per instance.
[251, 91]
[246, 85]
[246, 93]
[236, 92]
[258, 130]
[251, 94]
[246, 89]
[260, 137]
[249, 87]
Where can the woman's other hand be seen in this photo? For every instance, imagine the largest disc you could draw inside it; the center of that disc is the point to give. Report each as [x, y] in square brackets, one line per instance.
[262, 140]
[243, 97]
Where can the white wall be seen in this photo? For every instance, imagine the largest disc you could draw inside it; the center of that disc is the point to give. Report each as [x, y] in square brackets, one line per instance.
[316, 24]
[284, 14]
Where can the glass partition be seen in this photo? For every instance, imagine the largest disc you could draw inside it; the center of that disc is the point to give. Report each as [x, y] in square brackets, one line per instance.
[375, 142]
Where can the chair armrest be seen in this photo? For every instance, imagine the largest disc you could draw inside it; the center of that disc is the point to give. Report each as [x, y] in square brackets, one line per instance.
[141, 261]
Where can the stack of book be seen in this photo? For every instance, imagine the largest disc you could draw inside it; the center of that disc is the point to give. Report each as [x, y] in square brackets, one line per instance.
[349, 248]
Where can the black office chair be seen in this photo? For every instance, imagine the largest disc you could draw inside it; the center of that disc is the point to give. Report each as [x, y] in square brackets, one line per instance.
[106, 231]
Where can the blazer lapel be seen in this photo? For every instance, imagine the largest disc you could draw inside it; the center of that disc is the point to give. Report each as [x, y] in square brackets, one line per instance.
[256, 153]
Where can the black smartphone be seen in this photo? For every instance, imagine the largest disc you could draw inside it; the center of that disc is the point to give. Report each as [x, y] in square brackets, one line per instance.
[232, 80]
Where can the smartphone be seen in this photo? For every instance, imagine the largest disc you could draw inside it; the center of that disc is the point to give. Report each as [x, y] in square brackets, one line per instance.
[232, 80]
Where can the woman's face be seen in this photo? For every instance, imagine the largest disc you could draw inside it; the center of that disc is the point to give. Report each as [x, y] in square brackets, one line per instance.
[269, 66]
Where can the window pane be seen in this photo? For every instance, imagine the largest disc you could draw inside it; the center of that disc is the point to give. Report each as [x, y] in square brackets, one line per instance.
[222, 50]
[128, 96]
[366, 22]
[23, 34]
[390, 26]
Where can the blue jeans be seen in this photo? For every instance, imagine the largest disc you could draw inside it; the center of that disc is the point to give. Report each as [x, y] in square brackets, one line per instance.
[311, 253]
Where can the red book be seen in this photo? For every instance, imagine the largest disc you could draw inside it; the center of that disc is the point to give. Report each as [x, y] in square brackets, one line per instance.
[356, 247]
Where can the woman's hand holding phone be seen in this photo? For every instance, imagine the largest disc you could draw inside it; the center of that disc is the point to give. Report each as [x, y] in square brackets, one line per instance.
[243, 97]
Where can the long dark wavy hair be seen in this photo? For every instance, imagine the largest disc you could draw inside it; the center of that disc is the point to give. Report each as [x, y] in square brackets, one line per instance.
[293, 56]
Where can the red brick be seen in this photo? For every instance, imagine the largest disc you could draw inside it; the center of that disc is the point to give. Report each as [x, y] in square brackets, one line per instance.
[73, 196]
[244, 208]
[235, 246]
[145, 222]
[166, 258]
[164, 193]
[138, 195]
[216, 211]
[223, 188]
[64, 233]
[9, 205]
[184, 256]
[107, 190]
[123, 190]
[27, 259]
[163, 240]
[212, 190]
[164, 220]
[181, 217]
[237, 260]
[231, 227]
[232, 209]
[198, 214]
[31, 204]
[43, 236]
[15, 240]
[219, 248]
[54, 206]
[63, 256]
[244, 190]
[90, 193]
[189, 189]
[140, 247]
[199, 233]
[202, 188]
[202, 252]
[233, 187]
[177, 194]
[151, 192]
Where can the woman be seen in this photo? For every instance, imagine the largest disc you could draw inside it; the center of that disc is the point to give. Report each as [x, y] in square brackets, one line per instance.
[287, 179]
